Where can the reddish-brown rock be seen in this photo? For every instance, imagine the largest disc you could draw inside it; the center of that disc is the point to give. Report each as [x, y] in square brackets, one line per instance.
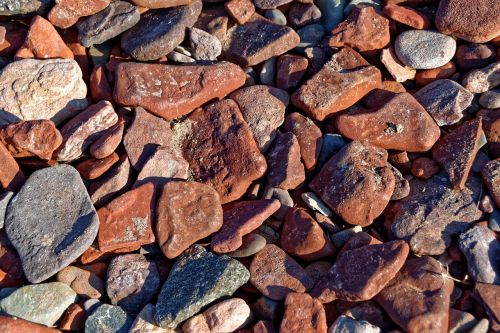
[10, 263]
[94, 167]
[378, 97]
[489, 296]
[15, 34]
[426, 76]
[409, 16]
[424, 168]
[303, 314]
[85, 283]
[342, 81]
[112, 183]
[491, 127]
[285, 170]
[171, 91]
[399, 71]
[108, 141]
[308, 135]
[66, 12]
[154, 4]
[11, 177]
[74, 318]
[491, 177]
[240, 10]
[290, 69]
[100, 89]
[213, 20]
[17, 325]
[474, 56]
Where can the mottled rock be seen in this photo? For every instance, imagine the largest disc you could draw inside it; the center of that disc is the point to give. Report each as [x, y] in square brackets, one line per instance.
[145, 323]
[473, 56]
[163, 166]
[240, 10]
[303, 314]
[347, 324]
[154, 4]
[67, 12]
[481, 80]
[270, 4]
[11, 176]
[409, 16]
[204, 46]
[112, 183]
[399, 71]
[488, 296]
[285, 170]
[93, 168]
[424, 168]
[107, 143]
[301, 14]
[108, 318]
[16, 325]
[290, 69]
[84, 283]
[213, 20]
[308, 135]
[401, 187]
[24, 7]
[490, 99]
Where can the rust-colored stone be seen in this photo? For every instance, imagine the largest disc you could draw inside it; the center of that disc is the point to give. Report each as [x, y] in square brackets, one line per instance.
[17, 325]
[11, 177]
[240, 10]
[409, 16]
[489, 296]
[303, 314]
[100, 88]
[290, 69]
[308, 135]
[285, 170]
[426, 76]
[74, 318]
[94, 167]
[67, 12]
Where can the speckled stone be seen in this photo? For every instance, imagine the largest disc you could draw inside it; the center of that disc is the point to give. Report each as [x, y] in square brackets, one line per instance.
[108, 318]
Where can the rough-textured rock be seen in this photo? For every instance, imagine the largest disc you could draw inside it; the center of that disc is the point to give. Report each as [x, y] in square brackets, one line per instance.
[163, 166]
[345, 324]
[67, 12]
[204, 46]
[145, 323]
[240, 10]
[44, 89]
[303, 314]
[290, 69]
[285, 170]
[11, 176]
[171, 91]
[213, 20]
[51, 221]
[483, 79]
[16, 325]
[491, 127]
[460, 321]
[308, 135]
[85, 283]
[93, 168]
[473, 56]
[4, 201]
[107, 143]
[490, 99]
[197, 279]
[301, 14]
[491, 177]
[113, 182]
[108, 318]
[399, 71]
[24, 7]
[488, 296]
[154, 4]
[409, 16]
[270, 4]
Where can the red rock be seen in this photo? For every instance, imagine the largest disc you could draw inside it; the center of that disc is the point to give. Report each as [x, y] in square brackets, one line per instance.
[399, 71]
[474, 56]
[94, 168]
[66, 12]
[15, 34]
[70, 37]
[401, 124]
[17, 325]
[489, 296]
[308, 135]
[424, 168]
[428, 75]
[303, 238]
[491, 177]
[301, 14]
[100, 89]
[456, 151]
[356, 183]
[10, 263]
[74, 318]
[93, 255]
[11, 177]
[240, 219]
[240, 10]
[85, 283]
[361, 273]
[275, 274]
[154, 4]
[285, 170]
[213, 20]
[491, 127]
[112, 183]
[378, 97]
[303, 314]
[290, 69]
[6, 281]
[342, 81]
[186, 213]
[409, 16]
[171, 91]
[358, 240]
[127, 220]
[108, 141]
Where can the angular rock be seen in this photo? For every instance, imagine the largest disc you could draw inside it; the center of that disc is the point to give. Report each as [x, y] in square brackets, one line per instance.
[491, 177]
[85, 283]
[290, 70]
[67, 12]
[303, 314]
[399, 71]
[94, 168]
[240, 10]
[483, 79]
[145, 323]
[308, 135]
[16, 325]
[154, 4]
[204, 46]
[213, 20]
[285, 170]
[409, 16]
[112, 183]
[401, 187]
[108, 318]
[301, 14]
[488, 296]
[107, 143]
[270, 4]
[347, 324]
[474, 56]
[11, 176]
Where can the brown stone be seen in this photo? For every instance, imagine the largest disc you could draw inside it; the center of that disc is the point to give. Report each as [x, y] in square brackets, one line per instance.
[93, 255]
[473, 56]
[74, 318]
[301, 14]
[70, 37]
[483, 79]
[424, 168]
[171, 91]
[94, 167]
[491, 127]
[342, 81]
[15, 34]
[290, 69]
[426, 76]
[17, 325]
[489, 296]
[240, 219]
[356, 183]
[303, 314]
[409, 16]
[107, 143]
[100, 89]
[213, 20]
[399, 71]
[66, 12]
[10, 263]
[11, 177]
[112, 183]
[154, 4]
[308, 135]
[401, 124]
[285, 170]
[240, 10]
[491, 177]
[378, 97]
[85, 283]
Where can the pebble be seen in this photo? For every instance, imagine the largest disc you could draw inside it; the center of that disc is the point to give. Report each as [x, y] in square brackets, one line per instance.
[108, 318]
[16, 325]
[251, 244]
[39, 303]
[164, 165]
[491, 177]
[4, 201]
[301, 14]
[289, 70]
[332, 143]
[396, 68]
[424, 49]
[460, 321]
[285, 169]
[424, 168]
[490, 99]
[51, 221]
[347, 324]
[494, 221]
[309, 137]
[270, 4]
[204, 46]
[303, 314]
[282, 196]
[268, 71]
[145, 323]
[67, 12]
[100, 88]
[214, 20]
[93, 168]
[85, 283]
[276, 16]
[240, 10]
[197, 279]
[310, 35]
[474, 56]
[74, 318]
[24, 7]
[488, 295]
[408, 16]
[362, 3]
[332, 12]
[481, 327]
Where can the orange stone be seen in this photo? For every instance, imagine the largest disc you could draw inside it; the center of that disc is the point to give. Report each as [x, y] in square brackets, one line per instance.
[240, 10]
[100, 89]
[11, 177]
[17, 325]
[427, 76]
[67, 12]
[303, 314]
[94, 167]
[74, 318]
[409, 16]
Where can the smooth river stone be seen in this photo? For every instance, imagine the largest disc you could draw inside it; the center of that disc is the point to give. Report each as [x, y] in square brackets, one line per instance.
[66, 13]
[23, 7]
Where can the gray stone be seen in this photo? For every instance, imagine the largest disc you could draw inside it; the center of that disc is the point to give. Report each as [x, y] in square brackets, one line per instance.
[197, 279]
[40, 303]
[145, 323]
[482, 251]
[494, 221]
[4, 201]
[424, 49]
[332, 143]
[460, 321]
[270, 4]
[402, 187]
[91, 305]
[118, 17]
[332, 13]
[310, 35]
[108, 319]
[252, 243]
[268, 71]
[340, 238]
[301, 14]
[345, 324]
[283, 197]
[315, 203]
[51, 221]
[276, 16]
[377, 4]
[481, 327]
[204, 46]
[24, 7]
[179, 57]
[490, 99]
[483, 79]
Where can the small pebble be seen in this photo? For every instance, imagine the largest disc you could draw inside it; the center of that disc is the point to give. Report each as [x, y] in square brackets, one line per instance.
[490, 99]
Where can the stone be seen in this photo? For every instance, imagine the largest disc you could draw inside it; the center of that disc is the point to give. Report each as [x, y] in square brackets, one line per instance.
[17, 325]
[301, 14]
[118, 17]
[67, 12]
[356, 183]
[186, 213]
[491, 177]
[108, 318]
[332, 143]
[426, 76]
[474, 56]
[51, 221]
[310, 35]
[226, 316]
[460, 321]
[424, 49]
[445, 100]
[83, 282]
[240, 219]
[472, 24]
[94, 168]
[362, 3]
[268, 71]
[164, 165]
[197, 279]
[424, 168]
[418, 298]
[343, 80]
[285, 170]
[332, 12]
[11, 176]
[132, 282]
[275, 274]
[44, 89]
[428, 218]
[126, 222]
[282, 196]
[270, 4]
[276, 16]
[258, 40]
[24, 7]
[483, 79]
[401, 187]
[315, 203]
[100, 88]
[490, 99]
[303, 314]
[408, 16]
[4, 201]
[309, 137]
[204, 46]
[481, 327]
[487, 295]
[213, 20]
[251, 244]
[240, 10]
[39, 303]
[215, 131]
[290, 70]
[107, 143]
[155, 4]
[160, 31]
[170, 91]
[114, 182]
[456, 151]
[347, 324]
[74, 318]
[263, 108]
[401, 124]
[359, 274]
[145, 323]
[399, 71]
[491, 127]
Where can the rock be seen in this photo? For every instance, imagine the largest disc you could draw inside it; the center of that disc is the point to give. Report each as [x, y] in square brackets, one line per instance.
[460, 322]
[285, 170]
[361, 273]
[39, 303]
[282, 196]
[356, 183]
[491, 127]
[251, 244]
[491, 177]
[426, 76]
[51, 221]
[424, 168]
[268, 71]
[342, 81]
[160, 31]
[480, 80]
[107, 143]
[126, 222]
[473, 24]
[301, 14]
[270, 4]
[401, 124]
[213, 20]
[303, 314]
[186, 88]
[308, 135]
[332, 143]
[100, 88]
[132, 282]
[226, 316]
[481, 327]
[118, 17]
[258, 40]
[74, 318]
[424, 49]
[4, 201]
[197, 279]
[275, 274]
[86, 284]
[114, 182]
[163, 166]
[11, 176]
[490, 99]
[24, 7]
[315, 203]
[145, 323]
[418, 298]
[408, 16]
[474, 56]
[348, 324]
[186, 213]
[204, 46]
[332, 12]
[401, 187]
[362, 3]
[456, 151]
[155, 4]
[290, 70]
[399, 71]
[94, 168]
[16, 325]
[67, 12]
[445, 100]
[276, 16]
[310, 35]
[108, 318]
[487, 295]
[240, 10]
[45, 89]
[263, 108]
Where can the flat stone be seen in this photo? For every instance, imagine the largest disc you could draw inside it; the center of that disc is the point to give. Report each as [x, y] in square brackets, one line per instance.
[171, 91]
[108, 318]
[275, 274]
[491, 177]
[93, 168]
[251, 244]
[488, 296]
[85, 283]
[301, 14]
[481, 80]
[39, 303]
[240, 10]
[356, 183]
[408, 16]
[204, 46]
[67, 12]
[45, 89]
[145, 323]
[11, 176]
[400, 124]
[16, 325]
[343, 81]
[309, 137]
[118, 17]
[24, 7]
[107, 143]
[154, 4]
[197, 279]
[270, 4]
[348, 324]
[445, 100]
[186, 213]
[490, 99]
[160, 31]
[4, 201]
[290, 70]
[114, 182]
[51, 221]
[303, 314]
[258, 40]
[424, 49]
[460, 321]
[285, 170]
[427, 76]
[132, 282]
[474, 56]
[399, 71]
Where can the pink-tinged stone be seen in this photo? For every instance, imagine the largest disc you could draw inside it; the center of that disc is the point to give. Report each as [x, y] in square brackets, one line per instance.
[17, 325]
[112, 183]
[303, 314]
[100, 89]
[491, 177]
[409, 16]
[11, 177]
[93, 168]
[483, 79]
[285, 170]
[290, 69]
[308, 135]
[424, 168]
[240, 10]
[67, 12]
[107, 143]
[399, 71]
